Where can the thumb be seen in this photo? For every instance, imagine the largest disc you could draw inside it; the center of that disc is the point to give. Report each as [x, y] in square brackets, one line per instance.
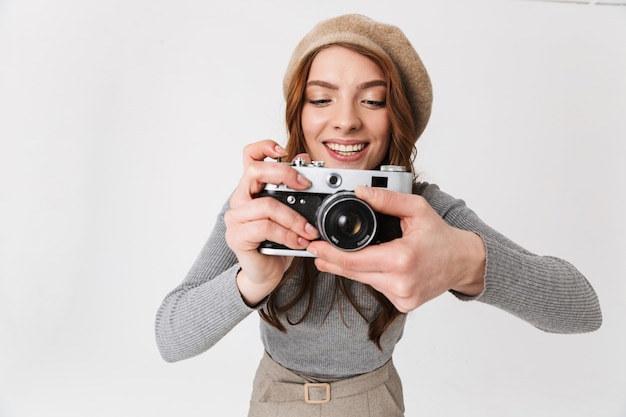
[386, 201]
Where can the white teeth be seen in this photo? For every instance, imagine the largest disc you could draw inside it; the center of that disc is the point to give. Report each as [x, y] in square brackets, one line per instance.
[346, 149]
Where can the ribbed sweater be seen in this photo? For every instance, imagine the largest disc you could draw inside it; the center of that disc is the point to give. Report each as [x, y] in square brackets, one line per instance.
[332, 342]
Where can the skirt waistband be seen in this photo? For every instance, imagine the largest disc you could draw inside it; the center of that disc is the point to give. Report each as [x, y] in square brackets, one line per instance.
[289, 386]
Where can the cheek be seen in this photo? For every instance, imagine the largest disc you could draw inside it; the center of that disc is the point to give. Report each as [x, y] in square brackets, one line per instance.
[381, 152]
[384, 126]
[312, 124]
[383, 133]
[382, 129]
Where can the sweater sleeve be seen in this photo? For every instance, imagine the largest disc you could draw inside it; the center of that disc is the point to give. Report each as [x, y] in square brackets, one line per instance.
[206, 305]
[547, 292]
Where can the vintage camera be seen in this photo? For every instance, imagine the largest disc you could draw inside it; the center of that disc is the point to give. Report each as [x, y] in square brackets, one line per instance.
[344, 220]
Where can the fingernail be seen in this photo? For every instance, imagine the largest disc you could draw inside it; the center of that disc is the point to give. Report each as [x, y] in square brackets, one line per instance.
[310, 229]
[280, 150]
[364, 191]
[303, 180]
[312, 250]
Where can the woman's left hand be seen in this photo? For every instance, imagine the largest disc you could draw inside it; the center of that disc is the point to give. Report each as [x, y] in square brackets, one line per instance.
[429, 259]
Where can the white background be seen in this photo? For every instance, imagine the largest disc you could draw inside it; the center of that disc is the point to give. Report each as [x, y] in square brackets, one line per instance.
[121, 128]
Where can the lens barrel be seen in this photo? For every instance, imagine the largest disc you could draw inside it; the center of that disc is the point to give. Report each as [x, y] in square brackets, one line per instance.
[346, 221]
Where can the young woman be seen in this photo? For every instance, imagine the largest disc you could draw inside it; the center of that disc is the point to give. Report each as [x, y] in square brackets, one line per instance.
[358, 97]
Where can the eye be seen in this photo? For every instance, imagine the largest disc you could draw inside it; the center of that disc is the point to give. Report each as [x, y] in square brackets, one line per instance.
[375, 103]
[319, 102]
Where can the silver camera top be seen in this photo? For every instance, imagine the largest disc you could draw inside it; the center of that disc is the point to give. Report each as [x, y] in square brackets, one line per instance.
[330, 180]
[300, 162]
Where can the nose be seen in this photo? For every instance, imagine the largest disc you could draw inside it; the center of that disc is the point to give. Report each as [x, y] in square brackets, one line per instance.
[346, 118]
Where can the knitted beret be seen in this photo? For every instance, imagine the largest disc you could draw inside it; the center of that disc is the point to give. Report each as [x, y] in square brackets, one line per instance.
[362, 31]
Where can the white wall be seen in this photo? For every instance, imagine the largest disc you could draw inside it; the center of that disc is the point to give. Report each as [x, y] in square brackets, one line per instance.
[121, 127]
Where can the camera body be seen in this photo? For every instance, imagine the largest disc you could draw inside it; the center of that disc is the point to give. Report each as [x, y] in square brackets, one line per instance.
[343, 220]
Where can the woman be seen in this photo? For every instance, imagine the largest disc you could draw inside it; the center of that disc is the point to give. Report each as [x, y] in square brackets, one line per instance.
[358, 97]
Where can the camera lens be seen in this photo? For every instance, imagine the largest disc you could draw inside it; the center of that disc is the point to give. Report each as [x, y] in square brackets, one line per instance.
[346, 221]
[349, 224]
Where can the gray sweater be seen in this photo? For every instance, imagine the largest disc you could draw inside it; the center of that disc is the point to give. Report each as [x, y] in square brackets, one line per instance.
[547, 292]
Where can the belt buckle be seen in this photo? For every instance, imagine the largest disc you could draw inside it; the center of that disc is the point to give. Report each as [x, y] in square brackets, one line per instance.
[309, 385]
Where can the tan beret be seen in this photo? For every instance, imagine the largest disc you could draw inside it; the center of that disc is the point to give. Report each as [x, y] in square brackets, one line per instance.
[390, 40]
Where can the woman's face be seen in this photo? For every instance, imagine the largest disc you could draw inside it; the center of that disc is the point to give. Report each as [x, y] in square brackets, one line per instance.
[344, 117]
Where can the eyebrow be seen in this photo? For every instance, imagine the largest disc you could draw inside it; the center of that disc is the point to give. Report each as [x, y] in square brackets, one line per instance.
[362, 86]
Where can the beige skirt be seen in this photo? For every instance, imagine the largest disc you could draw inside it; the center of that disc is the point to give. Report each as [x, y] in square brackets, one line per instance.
[278, 392]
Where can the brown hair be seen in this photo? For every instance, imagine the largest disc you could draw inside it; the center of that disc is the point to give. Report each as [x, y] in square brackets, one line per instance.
[402, 149]
[401, 152]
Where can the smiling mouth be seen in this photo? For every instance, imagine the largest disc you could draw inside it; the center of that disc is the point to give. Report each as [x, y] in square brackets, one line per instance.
[346, 150]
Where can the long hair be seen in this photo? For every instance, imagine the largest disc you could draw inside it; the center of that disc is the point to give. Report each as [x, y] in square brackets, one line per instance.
[401, 152]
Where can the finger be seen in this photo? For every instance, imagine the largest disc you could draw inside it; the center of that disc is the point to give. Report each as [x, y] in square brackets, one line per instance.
[258, 174]
[258, 151]
[375, 277]
[267, 208]
[375, 258]
[278, 173]
[389, 202]
[366, 267]
[283, 215]
[249, 236]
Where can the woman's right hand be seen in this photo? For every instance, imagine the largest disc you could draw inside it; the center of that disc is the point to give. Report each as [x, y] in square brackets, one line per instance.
[251, 221]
